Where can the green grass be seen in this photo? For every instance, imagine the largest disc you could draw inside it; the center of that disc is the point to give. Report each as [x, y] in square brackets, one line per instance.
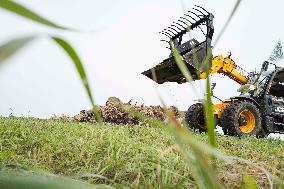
[126, 156]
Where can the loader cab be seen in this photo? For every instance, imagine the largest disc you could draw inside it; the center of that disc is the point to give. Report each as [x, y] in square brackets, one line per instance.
[269, 95]
[270, 83]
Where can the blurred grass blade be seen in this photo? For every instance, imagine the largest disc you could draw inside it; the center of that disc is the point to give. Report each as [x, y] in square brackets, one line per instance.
[20, 10]
[210, 121]
[204, 172]
[80, 69]
[237, 4]
[180, 62]
[32, 181]
[78, 64]
[249, 181]
[208, 102]
[11, 47]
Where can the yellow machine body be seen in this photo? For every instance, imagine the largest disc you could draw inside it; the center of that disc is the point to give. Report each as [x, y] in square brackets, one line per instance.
[229, 68]
[219, 108]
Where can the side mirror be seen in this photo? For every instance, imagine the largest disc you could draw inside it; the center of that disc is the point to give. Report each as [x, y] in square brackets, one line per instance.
[229, 54]
[265, 65]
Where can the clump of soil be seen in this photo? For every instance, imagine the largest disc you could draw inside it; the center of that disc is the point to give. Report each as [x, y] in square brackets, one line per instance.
[156, 112]
[117, 112]
[113, 112]
[85, 116]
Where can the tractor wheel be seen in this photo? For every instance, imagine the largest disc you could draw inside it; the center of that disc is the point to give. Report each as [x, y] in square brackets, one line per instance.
[241, 118]
[195, 117]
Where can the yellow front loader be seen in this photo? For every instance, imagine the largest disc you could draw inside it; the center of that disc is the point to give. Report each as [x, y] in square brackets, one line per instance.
[256, 111]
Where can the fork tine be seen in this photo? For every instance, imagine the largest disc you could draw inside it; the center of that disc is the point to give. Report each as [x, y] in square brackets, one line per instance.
[202, 9]
[194, 14]
[199, 11]
[179, 25]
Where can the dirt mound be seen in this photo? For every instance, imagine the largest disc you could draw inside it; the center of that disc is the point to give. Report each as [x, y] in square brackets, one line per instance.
[117, 112]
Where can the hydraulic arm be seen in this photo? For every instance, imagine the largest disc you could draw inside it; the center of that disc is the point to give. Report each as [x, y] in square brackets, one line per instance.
[227, 67]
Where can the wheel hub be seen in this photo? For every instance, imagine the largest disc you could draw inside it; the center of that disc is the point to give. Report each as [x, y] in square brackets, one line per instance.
[247, 121]
[243, 121]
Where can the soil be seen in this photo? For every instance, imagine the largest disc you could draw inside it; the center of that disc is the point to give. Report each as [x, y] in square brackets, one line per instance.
[116, 112]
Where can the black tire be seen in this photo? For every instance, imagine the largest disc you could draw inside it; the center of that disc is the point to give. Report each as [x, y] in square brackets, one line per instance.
[232, 119]
[195, 117]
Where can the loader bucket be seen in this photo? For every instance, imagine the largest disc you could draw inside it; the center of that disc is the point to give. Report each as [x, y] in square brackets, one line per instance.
[195, 52]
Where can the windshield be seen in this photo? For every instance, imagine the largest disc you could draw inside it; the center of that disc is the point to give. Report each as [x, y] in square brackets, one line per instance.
[256, 87]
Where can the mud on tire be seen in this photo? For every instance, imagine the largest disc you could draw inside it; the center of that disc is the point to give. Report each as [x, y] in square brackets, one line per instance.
[195, 117]
[241, 118]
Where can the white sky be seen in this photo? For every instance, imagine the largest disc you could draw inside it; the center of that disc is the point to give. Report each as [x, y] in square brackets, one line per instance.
[41, 80]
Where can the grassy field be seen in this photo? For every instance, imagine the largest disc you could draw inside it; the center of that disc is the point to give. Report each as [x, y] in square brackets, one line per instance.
[126, 156]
